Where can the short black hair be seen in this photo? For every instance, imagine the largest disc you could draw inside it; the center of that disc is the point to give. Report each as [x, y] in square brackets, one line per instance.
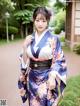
[43, 11]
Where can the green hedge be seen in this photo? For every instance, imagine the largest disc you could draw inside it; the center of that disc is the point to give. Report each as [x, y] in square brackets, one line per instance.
[11, 30]
[57, 30]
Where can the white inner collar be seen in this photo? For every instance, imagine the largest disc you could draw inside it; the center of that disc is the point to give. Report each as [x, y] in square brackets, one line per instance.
[38, 38]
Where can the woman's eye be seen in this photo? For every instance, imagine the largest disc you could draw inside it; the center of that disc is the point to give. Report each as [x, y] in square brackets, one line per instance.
[44, 20]
[40, 20]
[37, 20]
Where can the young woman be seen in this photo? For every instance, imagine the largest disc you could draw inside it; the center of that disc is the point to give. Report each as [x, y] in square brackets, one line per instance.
[43, 55]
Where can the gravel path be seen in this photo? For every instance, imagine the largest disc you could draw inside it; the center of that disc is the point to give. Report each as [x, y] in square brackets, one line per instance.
[9, 71]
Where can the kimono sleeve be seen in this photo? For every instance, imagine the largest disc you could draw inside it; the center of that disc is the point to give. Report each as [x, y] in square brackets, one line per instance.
[22, 84]
[23, 65]
[59, 63]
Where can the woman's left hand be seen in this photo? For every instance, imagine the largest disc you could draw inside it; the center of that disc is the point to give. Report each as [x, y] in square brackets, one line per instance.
[22, 77]
[51, 83]
[51, 80]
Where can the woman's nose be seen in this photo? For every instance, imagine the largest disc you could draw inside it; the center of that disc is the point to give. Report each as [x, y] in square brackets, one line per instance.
[40, 22]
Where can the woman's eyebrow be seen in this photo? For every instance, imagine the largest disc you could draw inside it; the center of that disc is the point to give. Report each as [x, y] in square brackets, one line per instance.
[40, 19]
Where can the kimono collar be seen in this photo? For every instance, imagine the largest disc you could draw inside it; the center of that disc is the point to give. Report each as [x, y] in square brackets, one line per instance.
[40, 43]
[38, 38]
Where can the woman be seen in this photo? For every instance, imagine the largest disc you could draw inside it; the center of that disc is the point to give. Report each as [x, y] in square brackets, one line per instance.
[44, 59]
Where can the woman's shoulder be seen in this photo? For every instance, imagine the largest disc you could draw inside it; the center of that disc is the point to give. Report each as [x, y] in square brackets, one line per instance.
[53, 36]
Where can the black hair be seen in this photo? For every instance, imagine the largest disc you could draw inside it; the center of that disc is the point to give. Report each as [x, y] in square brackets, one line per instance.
[43, 11]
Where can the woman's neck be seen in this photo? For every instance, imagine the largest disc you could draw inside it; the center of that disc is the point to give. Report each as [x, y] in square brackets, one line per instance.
[39, 33]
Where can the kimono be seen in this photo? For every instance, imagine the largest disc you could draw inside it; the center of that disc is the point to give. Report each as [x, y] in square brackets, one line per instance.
[47, 46]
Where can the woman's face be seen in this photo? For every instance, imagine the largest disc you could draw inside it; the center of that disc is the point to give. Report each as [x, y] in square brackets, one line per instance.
[40, 23]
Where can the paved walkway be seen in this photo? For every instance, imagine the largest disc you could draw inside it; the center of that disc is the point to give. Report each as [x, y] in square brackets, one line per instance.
[9, 71]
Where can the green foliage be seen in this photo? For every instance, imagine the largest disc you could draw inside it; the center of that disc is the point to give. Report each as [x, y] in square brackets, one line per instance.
[12, 21]
[57, 30]
[59, 5]
[59, 21]
[72, 93]
[62, 39]
[76, 49]
[5, 5]
[24, 15]
[23, 12]
[38, 2]
[11, 29]
[21, 9]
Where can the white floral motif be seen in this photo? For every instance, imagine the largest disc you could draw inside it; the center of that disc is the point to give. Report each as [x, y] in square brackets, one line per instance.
[22, 91]
[35, 102]
[42, 90]
[51, 42]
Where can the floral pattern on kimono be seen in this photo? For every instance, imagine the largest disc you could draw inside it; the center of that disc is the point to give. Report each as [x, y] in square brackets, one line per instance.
[38, 90]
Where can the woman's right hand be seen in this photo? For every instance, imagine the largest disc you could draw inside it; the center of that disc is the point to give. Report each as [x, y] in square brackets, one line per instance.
[22, 77]
[27, 41]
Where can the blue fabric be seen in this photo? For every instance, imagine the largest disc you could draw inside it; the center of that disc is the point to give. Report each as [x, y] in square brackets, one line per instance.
[38, 90]
[22, 85]
[40, 44]
[58, 65]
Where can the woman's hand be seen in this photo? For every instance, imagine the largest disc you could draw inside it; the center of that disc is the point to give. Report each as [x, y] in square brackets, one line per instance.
[25, 44]
[51, 81]
[27, 41]
[22, 77]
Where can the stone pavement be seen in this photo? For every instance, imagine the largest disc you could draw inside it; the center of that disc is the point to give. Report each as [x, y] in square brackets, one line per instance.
[9, 71]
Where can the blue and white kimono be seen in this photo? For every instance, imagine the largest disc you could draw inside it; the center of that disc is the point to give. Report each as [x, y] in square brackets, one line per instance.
[46, 47]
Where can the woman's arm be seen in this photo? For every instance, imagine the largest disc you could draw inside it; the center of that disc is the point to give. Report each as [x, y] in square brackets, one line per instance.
[25, 45]
[58, 67]
[24, 59]
[59, 63]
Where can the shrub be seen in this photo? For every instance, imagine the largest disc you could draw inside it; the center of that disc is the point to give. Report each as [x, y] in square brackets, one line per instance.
[11, 30]
[59, 21]
[76, 49]
[62, 39]
[57, 30]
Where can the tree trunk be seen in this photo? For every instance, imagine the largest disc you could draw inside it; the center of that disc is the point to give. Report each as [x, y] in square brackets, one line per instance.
[26, 30]
[21, 30]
